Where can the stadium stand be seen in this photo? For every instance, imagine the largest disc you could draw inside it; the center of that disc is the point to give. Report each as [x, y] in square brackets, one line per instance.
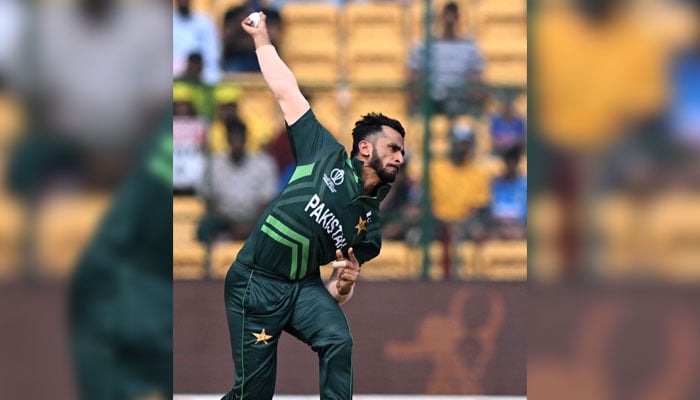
[503, 260]
[317, 64]
[502, 33]
[371, 60]
[222, 256]
[64, 226]
[189, 261]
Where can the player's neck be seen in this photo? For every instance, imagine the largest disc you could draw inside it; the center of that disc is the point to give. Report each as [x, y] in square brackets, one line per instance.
[370, 179]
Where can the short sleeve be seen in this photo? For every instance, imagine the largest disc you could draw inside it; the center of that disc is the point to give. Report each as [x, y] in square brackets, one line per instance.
[309, 140]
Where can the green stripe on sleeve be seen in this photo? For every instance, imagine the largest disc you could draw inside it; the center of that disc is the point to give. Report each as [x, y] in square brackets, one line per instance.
[301, 171]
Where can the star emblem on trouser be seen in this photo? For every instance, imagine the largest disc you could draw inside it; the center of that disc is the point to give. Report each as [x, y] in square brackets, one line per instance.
[361, 226]
[261, 337]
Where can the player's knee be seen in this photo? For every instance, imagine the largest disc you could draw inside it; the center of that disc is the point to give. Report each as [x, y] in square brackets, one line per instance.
[339, 338]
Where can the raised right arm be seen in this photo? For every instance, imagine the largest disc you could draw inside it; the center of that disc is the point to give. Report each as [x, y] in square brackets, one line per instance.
[278, 76]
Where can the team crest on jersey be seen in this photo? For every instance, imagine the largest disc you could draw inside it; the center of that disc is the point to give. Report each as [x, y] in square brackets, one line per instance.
[335, 179]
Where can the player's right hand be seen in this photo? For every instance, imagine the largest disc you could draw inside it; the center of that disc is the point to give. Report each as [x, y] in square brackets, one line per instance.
[247, 25]
[347, 274]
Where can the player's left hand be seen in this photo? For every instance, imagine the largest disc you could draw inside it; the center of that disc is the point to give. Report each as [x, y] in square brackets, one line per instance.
[347, 273]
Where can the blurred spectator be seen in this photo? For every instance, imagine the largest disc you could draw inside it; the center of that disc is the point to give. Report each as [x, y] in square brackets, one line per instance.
[183, 104]
[509, 199]
[456, 67]
[238, 186]
[459, 189]
[195, 33]
[507, 129]
[600, 69]
[202, 96]
[281, 150]
[226, 97]
[12, 24]
[239, 50]
[189, 136]
[685, 99]
[400, 209]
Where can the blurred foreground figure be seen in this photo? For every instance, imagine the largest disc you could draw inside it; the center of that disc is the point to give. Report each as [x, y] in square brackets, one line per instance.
[121, 314]
[96, 90]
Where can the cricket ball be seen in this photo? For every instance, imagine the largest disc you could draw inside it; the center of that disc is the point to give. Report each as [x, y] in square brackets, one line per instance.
[255, 17]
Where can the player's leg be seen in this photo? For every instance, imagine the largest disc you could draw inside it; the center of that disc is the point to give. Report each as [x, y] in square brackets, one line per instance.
[319, 322]
[257, 309]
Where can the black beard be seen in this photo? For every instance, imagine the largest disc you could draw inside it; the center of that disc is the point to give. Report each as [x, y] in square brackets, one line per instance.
[383, 173]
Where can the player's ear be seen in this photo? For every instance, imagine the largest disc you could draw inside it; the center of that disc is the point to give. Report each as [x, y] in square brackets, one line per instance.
[365, 148]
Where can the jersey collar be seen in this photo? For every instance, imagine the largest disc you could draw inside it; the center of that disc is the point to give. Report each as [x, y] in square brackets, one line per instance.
[357, 166]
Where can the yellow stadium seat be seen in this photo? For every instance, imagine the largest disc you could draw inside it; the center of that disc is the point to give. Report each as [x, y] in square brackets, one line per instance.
[376, 43]
[503, 260]
[390, 102]
[373, 61]
[502, 11]
[507, 72]
[504, 48]
[326, 106]
[184, 232]
[671, 236]
[395, 262]
[188, 261]
[436, 270]
[64, 226]
[376, 20]
[502, 33]
[222, 256]
[464, 261]
[314, 65]
[467, 257]
[305, 23]
[188, 208]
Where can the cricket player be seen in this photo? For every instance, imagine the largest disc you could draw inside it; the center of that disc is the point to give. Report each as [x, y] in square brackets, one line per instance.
[329, 210]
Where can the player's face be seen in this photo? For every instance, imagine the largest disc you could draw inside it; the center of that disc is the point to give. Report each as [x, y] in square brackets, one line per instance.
[387, 154]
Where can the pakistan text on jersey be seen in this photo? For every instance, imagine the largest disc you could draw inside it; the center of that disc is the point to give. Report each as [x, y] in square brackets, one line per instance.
[328, 221]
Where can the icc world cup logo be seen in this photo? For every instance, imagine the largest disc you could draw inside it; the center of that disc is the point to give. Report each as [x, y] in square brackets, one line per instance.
[337, 176]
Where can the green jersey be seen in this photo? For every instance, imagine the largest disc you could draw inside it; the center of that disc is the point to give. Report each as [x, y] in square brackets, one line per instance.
[321, 209]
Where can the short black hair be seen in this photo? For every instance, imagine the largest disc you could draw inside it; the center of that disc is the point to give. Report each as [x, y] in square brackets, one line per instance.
[370, 124]
[235, 126]
[273, 16]
[451, 6]
[235, 14]
[195, 57]
[513, 154]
